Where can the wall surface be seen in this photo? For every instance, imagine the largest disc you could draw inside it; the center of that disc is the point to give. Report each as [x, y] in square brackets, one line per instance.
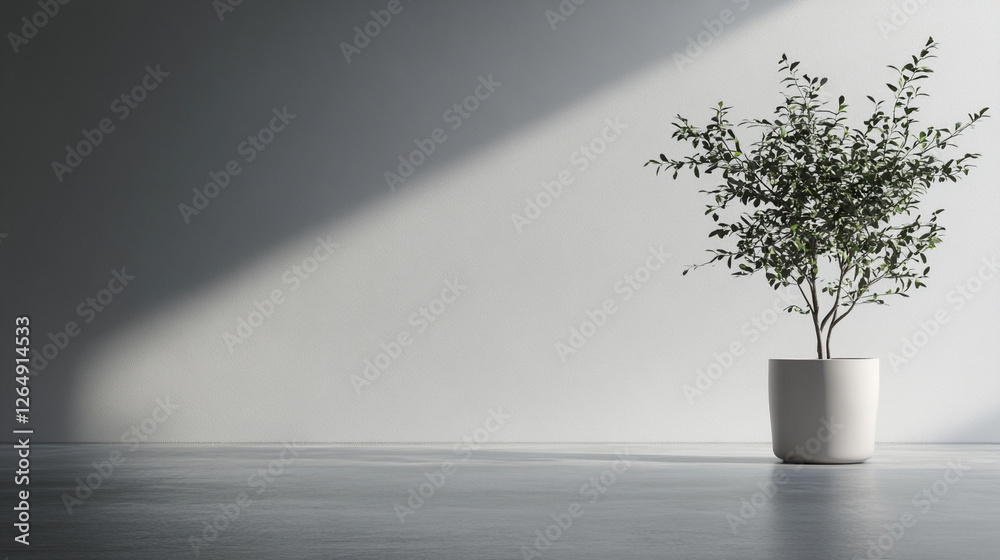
[250, 309]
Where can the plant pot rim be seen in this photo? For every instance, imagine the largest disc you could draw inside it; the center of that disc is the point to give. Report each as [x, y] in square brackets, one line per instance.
[817, 359]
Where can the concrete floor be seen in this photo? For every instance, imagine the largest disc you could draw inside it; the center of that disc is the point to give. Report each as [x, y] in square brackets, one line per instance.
[564, 501]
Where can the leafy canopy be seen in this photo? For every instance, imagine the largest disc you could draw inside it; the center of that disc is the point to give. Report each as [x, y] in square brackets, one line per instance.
[814, 191]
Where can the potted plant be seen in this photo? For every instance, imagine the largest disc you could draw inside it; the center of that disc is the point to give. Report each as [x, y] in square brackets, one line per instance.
[830, 208]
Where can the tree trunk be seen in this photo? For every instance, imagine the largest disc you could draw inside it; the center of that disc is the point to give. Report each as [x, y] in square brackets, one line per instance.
[819, 336]
[815, 313]
[833, 321]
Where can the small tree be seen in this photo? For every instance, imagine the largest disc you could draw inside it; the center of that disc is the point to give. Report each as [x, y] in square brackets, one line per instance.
[816, 191]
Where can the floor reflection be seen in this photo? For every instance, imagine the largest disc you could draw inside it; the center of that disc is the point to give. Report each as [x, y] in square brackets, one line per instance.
[822, 511]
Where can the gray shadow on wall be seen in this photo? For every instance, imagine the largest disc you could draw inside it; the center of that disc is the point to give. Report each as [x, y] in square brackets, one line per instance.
[119, 206]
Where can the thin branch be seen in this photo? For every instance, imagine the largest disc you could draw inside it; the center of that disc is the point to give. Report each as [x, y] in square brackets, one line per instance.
[836, 300]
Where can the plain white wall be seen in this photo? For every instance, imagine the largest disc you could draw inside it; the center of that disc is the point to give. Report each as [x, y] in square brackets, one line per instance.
[494, 347]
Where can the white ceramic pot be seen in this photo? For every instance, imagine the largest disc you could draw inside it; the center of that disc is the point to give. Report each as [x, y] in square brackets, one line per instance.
[823, 411]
